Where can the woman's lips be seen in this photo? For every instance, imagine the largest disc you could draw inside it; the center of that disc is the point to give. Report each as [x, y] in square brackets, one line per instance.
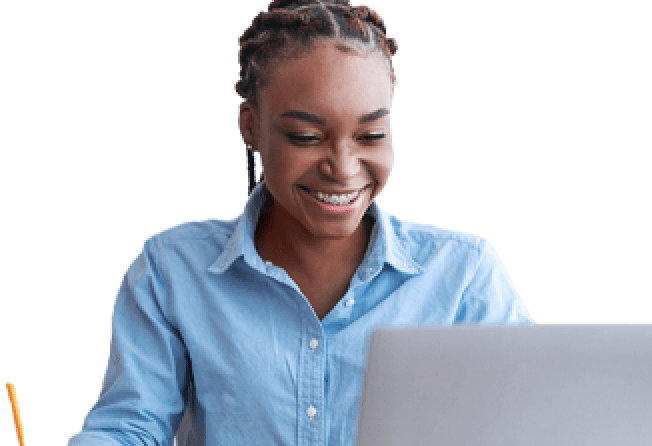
[335, 199]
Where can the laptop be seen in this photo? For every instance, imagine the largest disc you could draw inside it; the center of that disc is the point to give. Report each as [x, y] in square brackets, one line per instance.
[540, 385]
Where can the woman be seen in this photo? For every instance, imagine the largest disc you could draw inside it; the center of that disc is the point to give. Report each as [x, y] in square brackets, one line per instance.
[254, 331]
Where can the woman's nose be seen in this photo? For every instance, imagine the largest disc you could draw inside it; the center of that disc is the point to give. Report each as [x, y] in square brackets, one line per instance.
[341, 163]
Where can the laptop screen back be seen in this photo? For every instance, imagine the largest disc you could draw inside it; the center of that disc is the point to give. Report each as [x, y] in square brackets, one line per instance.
[508, 386]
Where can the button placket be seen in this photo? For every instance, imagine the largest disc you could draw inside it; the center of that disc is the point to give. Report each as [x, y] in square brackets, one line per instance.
[311, 387]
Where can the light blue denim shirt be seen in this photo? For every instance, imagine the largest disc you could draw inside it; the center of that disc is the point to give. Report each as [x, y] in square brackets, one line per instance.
[213, 342]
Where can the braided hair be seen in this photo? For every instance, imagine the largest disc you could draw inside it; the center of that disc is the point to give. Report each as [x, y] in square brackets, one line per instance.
[291, 26]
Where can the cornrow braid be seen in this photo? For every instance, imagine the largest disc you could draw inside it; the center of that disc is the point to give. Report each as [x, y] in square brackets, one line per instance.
[290, 26]
[251, 168]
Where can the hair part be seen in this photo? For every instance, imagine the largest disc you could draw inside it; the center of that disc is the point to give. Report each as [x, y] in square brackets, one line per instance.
[290, 28]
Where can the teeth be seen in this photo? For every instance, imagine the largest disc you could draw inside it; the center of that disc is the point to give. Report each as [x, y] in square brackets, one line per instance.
[337, 200]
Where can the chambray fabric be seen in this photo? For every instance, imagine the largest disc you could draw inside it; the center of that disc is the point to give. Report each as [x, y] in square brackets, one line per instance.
[213, 344]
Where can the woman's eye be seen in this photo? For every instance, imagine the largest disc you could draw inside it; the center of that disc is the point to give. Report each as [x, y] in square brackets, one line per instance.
[372, 137]
[302, 138]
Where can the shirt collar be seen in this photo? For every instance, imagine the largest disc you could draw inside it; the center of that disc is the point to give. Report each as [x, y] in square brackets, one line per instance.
[385, 245]
[241, 242]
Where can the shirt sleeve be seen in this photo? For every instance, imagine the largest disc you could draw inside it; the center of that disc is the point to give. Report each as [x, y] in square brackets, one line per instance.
[490, 297]
[144, 389]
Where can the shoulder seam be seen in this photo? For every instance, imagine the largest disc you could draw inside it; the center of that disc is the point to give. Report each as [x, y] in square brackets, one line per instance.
[171, 235]
[482, 251]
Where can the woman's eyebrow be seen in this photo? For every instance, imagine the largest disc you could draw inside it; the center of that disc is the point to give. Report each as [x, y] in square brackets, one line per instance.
[314, 119]
[373, 115]
[304, 116]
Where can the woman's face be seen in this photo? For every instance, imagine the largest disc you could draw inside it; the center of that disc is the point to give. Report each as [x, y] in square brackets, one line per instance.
[321, 126]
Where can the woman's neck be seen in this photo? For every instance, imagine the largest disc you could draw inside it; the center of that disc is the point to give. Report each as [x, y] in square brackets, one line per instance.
[321, 267]
[286, 243]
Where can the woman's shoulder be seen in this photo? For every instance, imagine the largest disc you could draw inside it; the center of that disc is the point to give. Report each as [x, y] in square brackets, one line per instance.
[422, 236]
[216, 231]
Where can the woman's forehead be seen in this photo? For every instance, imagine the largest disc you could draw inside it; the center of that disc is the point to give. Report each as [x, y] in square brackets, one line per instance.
[327, 77]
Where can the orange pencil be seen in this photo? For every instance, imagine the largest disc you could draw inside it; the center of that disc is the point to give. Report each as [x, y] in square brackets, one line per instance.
[14, 407]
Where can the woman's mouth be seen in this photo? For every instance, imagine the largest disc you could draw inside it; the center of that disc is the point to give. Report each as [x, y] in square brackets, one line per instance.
[334, 199]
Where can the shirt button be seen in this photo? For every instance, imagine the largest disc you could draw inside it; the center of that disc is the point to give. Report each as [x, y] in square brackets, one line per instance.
[311, 412]
[349, 303]
[268, 263]
[313, 345]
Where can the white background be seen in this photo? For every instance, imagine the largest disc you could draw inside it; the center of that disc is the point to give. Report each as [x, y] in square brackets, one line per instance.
[526, 122]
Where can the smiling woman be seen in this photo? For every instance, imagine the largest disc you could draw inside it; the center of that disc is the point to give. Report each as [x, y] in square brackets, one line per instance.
[254, 331]
[325, 145]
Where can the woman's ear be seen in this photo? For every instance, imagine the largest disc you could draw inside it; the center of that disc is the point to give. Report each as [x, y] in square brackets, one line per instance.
[247, 124]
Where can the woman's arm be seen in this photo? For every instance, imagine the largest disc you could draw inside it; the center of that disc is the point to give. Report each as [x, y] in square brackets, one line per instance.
[143, 394]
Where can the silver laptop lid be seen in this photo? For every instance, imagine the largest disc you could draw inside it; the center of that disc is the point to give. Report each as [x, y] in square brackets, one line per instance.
[508, 386]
